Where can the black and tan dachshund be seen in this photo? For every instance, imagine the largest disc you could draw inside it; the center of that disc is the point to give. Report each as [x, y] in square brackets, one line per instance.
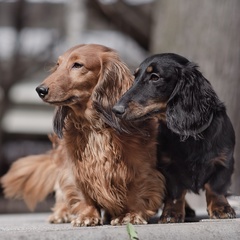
[196, 138]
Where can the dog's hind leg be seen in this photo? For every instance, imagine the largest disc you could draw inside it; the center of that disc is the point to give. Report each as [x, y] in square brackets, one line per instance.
[217, 205]
[61, 212]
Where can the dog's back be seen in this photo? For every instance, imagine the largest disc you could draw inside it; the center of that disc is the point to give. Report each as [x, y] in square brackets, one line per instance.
[191, 163]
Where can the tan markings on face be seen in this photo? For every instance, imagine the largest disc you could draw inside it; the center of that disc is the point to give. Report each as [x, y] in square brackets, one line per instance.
[137, 110]
[149, 69]
[136, 71]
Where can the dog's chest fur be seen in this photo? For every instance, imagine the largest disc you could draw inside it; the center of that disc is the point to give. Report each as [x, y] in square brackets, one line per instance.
[101, 171]
[186, 164]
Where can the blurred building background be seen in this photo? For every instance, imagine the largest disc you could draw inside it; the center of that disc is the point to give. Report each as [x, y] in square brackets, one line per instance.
[33, 33]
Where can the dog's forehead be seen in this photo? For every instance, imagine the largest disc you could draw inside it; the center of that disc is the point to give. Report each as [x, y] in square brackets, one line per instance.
[81, 52]
[163, 60]
[87, 55]
[156, 63]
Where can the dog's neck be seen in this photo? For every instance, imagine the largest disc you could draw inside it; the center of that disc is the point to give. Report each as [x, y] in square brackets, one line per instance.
[88, 119]
[78, 129]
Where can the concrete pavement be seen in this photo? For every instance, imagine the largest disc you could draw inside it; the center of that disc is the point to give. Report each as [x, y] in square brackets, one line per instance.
[35, 226]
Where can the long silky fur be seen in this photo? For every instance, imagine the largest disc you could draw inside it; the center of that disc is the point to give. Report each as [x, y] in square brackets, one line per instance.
[188, 114]
[33, 177]
[109, 162]
[196, 138]
[114, 77]
[59, 120]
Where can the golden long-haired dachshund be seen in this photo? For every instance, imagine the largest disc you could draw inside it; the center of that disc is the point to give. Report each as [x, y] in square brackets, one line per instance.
[103, 168]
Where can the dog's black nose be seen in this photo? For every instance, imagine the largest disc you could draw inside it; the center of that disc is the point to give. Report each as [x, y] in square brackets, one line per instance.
[118, 110]
[42, 91]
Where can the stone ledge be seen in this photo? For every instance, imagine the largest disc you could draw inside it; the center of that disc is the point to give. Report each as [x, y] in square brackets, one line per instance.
[34, 226]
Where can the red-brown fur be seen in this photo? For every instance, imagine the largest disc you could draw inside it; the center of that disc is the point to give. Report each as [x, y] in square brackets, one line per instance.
[33, 170]
[33, 178]
[103, 168]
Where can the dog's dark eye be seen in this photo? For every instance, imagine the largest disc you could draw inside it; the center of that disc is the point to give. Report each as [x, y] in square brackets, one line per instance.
[154, 77]
[77, 65]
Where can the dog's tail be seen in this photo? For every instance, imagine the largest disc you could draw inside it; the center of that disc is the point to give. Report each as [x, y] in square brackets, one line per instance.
[30, 178]
[33, 177]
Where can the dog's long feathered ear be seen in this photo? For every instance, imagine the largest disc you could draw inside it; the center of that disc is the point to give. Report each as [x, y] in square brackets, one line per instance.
[192, 104]
[114, 80]
[58, 121]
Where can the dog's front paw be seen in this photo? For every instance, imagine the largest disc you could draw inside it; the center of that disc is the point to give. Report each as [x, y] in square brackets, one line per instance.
[133, 218]
[85, 221]
[222, 212]
[171, 217]
[64, 217]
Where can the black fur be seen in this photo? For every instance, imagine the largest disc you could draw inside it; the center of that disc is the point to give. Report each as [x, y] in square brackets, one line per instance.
[58, 120]
[196, 138]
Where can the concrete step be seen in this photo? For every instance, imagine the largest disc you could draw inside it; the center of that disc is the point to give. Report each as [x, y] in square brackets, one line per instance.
[35, 226]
